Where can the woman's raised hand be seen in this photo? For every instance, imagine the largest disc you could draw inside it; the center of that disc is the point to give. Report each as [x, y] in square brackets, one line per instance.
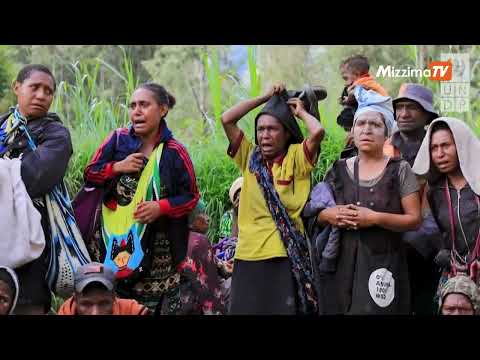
[274, 90]
[297, 106]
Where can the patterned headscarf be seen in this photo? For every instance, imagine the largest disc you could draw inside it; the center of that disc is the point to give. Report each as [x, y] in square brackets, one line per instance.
[369, 100]
[10, 128]
[461, 284]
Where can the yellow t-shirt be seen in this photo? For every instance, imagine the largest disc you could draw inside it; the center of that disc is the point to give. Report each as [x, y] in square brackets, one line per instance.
[258, 237]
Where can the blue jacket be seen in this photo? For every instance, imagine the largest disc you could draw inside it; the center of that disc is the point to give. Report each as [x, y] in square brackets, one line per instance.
[178, 192]
[179, 188]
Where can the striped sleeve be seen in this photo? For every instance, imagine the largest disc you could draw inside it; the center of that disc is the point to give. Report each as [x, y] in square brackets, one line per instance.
[186, 195]
[100, 168]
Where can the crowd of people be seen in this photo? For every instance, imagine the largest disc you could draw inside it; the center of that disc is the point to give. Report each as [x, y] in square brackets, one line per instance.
[392, 228]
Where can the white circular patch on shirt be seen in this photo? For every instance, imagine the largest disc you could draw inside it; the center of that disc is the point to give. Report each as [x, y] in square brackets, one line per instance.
[382, 287]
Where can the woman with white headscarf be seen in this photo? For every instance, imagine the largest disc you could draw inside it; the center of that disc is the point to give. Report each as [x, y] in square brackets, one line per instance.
[377, 199]
[447, 159]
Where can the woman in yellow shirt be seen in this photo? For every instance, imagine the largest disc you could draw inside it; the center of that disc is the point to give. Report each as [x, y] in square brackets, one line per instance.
[272, 272]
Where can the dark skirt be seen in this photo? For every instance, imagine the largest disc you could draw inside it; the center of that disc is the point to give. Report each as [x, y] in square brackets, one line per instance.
[424, 276]
[264, 287]
[34, 289]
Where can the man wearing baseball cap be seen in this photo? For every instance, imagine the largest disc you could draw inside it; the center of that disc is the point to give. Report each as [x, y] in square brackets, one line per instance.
[413, 112]
[94, 294]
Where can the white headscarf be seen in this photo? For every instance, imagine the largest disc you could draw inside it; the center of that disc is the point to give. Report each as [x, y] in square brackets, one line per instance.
[468, 150]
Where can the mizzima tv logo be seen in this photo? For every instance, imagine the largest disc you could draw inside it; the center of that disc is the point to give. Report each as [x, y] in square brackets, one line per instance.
[437, 71]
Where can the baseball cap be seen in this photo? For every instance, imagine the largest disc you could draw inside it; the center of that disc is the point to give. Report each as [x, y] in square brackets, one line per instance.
[94, 272]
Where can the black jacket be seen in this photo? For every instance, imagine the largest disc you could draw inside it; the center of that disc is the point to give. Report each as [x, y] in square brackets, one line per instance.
[41, 170]
[45, 167]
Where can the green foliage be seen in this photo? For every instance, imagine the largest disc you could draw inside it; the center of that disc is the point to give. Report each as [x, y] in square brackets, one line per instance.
[57, 302]
[212, 67]
[89, 117]
[8, 69]
[93, 94]
[255, 85]
[215, 173]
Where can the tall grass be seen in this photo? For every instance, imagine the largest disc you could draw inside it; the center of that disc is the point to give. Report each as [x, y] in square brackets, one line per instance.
[212, 68]
[255, 83]
[333, 142]
[91, 116]
[88, 115]
[216, 171]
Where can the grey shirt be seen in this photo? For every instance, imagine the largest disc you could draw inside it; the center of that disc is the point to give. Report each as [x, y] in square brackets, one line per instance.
[408, 181]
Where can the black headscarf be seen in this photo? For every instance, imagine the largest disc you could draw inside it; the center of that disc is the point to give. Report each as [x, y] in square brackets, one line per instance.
[278, 108]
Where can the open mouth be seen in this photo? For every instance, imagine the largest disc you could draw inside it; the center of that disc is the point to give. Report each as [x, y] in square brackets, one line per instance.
[138, 123]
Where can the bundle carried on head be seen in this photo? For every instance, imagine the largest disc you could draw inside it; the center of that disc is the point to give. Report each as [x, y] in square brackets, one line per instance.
[310, 95]
[277, 107]
[371, 101]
